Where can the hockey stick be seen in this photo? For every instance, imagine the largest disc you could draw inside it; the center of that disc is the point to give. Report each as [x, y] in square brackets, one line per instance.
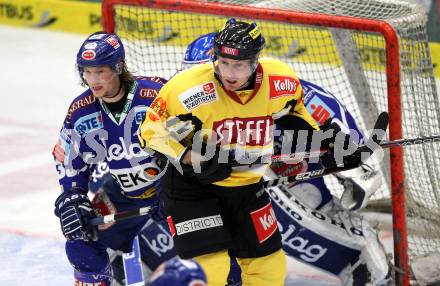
[119, 216]
[381, 124]
[298, 157]
[413, 141]
[384, 145]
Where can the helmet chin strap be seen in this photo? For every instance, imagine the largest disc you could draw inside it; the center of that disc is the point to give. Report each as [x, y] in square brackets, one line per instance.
[116, 94]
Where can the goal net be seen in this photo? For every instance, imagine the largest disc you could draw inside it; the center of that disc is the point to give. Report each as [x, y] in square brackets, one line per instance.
[372, 55]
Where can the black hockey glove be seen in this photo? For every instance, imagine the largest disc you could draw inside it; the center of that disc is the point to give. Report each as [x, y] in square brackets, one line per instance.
[157, 211]
[211, 171]
[328, 159]
[74, 209]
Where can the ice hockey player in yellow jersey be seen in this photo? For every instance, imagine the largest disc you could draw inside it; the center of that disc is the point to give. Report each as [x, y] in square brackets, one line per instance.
[215, 210]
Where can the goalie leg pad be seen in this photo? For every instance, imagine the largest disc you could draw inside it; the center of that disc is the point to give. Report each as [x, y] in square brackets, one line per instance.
[317, 239]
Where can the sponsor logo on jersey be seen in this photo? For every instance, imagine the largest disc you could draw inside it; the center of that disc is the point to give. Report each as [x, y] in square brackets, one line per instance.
[89, 123]
[282, 85]
[80, 103]
[157, 79]
[135, 181]
[117, 152]
[112, 41]
[229, 51]
[198, 95]
[139, 114]
[265, 222]
[148, 93]
[88, 55]
[253, 131]
[307, 251]
[58, 152]
[320, 111]
[61, 150]
[198, 224]
[157, 109]
[160, 242]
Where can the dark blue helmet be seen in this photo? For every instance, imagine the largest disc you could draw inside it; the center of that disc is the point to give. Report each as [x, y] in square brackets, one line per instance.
[239, 41]
[178, 272]
[199, 51]
[101, 49]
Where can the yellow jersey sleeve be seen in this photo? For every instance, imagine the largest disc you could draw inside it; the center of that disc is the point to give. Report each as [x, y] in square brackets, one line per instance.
[154, 133]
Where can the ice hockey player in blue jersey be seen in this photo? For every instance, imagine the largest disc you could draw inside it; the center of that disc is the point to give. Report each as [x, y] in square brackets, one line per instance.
[307, 213]
[178, 272]
[100, 129]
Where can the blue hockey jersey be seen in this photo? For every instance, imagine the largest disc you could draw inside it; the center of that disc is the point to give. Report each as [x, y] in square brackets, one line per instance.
[91, 135]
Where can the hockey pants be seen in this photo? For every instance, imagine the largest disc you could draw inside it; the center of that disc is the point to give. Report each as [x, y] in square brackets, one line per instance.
[261, 271]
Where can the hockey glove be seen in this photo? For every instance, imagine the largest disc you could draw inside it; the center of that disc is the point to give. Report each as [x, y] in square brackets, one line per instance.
[74, 209]
[328, 159]
[157, 211]
[211, 171]
[359, 185]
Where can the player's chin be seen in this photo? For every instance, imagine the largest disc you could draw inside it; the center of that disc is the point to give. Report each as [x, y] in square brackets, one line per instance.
[231, 87]
[99, 94]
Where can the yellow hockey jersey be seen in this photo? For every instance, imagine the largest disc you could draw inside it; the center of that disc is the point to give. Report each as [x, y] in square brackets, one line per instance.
[194, 100]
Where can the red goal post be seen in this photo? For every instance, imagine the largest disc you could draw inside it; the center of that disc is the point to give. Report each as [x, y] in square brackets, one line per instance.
[136, 13]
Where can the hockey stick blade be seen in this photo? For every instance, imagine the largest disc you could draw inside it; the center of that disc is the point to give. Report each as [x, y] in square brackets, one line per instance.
[379, 131]
[119, 216]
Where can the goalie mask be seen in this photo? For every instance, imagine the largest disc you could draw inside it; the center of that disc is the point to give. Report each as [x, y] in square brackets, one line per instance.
[200, 50]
